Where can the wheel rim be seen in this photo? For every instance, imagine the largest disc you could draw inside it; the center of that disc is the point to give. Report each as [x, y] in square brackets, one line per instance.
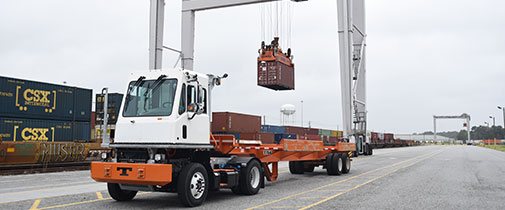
[255, 177]
[348, 164]
[339, 164]
[197, 185]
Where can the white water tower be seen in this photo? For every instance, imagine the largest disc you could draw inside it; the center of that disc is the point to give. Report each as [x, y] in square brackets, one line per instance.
[288, 114]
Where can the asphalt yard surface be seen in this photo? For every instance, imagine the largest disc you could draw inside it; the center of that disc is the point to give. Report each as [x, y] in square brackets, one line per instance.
[424, 177]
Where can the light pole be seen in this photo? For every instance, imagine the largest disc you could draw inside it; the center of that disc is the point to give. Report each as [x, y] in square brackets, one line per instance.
[494, 125]
[494, 122]
[503, 110]
[302, 111]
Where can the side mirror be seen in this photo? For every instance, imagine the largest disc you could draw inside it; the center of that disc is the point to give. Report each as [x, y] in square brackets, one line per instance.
[193, 107]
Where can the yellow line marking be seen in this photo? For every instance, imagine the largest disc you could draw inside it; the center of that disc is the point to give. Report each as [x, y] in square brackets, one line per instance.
[314, 197]
[99, 195]
[364, 183]
[35, 205]
[82, 202]
[335, 183]
[285, 207]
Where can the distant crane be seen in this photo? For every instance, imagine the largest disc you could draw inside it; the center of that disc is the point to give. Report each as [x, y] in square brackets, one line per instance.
[462, 116]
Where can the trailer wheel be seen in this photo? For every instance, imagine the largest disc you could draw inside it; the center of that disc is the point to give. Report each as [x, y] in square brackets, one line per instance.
[371, 151]
[333, 164]
[346, 164]
[192, 185]
[296, 167]
[118, 194]
[308, 167]
[250, 178]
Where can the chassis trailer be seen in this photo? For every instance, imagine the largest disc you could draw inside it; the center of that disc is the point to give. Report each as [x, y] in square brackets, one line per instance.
[156, 149]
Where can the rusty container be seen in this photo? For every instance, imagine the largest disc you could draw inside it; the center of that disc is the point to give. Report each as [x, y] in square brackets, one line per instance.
[312, 137]
[12, 153]
[276, 75]
[265, 138]
[229, 122]
[300, 131]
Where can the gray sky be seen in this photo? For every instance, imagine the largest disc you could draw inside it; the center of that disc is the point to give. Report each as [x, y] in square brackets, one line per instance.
[425, 57]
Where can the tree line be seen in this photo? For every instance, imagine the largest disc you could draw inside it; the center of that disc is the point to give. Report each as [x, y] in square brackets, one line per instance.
[476, 133]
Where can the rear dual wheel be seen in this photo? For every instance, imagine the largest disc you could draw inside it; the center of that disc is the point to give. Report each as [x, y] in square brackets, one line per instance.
[250, 179]
[334, 164]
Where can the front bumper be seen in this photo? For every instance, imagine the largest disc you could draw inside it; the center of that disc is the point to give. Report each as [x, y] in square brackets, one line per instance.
[132, 173]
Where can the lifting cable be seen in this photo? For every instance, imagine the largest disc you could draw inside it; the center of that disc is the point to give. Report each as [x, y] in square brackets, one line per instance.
[276, 21]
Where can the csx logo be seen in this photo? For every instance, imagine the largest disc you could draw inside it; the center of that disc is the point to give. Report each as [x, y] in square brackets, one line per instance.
[32, 95]
[35, 134]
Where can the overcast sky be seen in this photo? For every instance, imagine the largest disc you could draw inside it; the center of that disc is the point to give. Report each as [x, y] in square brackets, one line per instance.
[425, 57]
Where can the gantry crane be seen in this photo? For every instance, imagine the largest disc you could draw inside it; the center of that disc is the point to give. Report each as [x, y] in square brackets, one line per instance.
[352, 48]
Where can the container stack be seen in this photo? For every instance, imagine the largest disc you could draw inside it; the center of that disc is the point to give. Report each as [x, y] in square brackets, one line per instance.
[114, 101]
[242, 126]
[248, 127]
[42, 112]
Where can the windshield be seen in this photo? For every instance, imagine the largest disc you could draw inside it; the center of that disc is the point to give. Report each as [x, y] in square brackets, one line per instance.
[150, 98]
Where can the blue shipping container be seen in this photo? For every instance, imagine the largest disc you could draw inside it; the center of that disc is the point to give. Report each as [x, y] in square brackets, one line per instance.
[273, 129]
[16, 129]
[37, 100]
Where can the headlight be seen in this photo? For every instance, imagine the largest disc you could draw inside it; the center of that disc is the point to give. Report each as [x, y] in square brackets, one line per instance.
[157, 157]
[104, 155]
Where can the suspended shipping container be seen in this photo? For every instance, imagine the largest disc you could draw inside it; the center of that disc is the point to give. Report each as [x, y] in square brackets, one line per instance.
[276, 70]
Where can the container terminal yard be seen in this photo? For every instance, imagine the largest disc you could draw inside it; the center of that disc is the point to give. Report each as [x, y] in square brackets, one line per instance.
[195, 135]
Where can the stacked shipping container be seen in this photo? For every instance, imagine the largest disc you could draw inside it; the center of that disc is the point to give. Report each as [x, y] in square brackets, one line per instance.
[114, 101]
[248, 127]
[35, 111]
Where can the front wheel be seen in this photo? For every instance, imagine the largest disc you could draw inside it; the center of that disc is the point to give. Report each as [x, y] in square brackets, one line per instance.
[118, 194]
[192, 185]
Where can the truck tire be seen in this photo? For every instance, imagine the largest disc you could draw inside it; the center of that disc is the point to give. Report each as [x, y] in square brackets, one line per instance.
[192, 185]
[366, 150]
[296, 167]
[371, 151]
[118, 194]
[333, 164]
[308, 167]
[250, 178]
[330, 167]
[346, 164]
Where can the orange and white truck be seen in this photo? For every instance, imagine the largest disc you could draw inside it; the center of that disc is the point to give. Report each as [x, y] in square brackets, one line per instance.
[163, 143]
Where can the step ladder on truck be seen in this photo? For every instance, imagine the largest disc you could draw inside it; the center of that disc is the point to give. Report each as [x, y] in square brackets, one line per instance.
[163, 143]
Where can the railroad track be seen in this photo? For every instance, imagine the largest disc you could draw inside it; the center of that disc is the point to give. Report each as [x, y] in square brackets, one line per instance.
[43, 168]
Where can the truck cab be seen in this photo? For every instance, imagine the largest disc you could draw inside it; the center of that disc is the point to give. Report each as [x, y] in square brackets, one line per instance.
[163, 108]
